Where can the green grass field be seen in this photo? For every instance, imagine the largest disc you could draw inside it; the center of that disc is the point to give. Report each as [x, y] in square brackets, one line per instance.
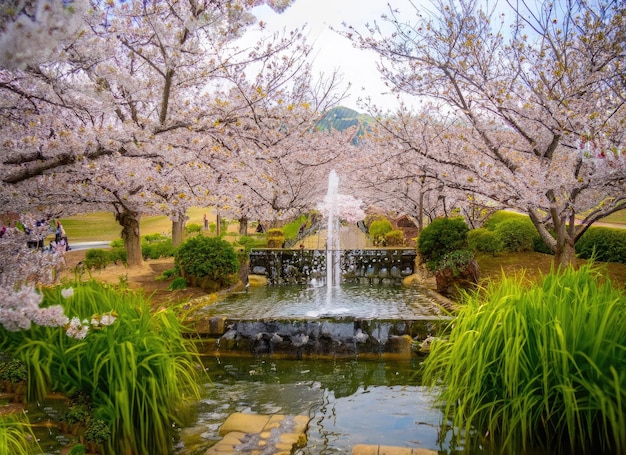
[95, 226]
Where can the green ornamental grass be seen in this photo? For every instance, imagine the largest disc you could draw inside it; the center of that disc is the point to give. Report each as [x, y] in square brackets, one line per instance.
[540, 367]
[16, 436]
[140, 370]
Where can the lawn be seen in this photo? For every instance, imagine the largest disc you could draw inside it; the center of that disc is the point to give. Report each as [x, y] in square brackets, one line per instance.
[96, 226]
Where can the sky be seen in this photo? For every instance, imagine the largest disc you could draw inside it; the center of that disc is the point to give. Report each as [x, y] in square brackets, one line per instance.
[331, 51]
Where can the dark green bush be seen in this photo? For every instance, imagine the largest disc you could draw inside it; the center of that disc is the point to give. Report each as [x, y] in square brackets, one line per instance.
[13, 371]
[97, 431]
[484, 240]
[394, 238]
[96, 258]
[118, 255]
[208, 257]
[440, 237]
[156, 249]
[177, 283]
[604, 244]
[456, 261]
[517, 234]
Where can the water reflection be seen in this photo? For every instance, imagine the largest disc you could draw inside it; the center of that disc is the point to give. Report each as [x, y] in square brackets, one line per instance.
[349, 402]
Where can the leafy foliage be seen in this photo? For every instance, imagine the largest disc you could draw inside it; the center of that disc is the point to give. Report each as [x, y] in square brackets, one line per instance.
[603, 244]
[137, 371]
[540, 366]
[378, 229]
[394, 237]
[484, 240]
[209, 257]
[517, 234]
[440, 237]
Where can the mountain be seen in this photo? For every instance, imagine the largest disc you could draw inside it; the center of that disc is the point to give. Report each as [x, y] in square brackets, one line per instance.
[340, 118]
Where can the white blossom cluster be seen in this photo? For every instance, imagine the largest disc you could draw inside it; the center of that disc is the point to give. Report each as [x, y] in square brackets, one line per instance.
[36, 33]
[18, 309]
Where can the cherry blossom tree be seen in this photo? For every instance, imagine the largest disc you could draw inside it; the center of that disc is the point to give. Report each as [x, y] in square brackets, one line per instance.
[531, 116]
[118, 113]
[273, 160]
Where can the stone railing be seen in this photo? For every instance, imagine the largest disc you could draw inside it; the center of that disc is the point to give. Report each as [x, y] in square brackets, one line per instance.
[369, 266]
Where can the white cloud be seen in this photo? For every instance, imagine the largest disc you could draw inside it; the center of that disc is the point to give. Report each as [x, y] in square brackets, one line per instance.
[331, 51]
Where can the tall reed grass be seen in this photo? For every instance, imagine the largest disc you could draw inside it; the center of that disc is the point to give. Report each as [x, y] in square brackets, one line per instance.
[541, 368]
[139, 371]
[16, 436]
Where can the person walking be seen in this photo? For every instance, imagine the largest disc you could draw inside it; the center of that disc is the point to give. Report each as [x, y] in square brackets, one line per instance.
[60, 237]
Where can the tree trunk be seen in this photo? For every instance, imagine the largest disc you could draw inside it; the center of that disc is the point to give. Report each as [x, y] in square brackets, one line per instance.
[178, 232]
[243, 226]
[565, 252]
[129, 220]
[420, 212]
[218, 224]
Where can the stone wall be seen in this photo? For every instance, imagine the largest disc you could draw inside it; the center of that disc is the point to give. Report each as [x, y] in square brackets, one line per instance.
[370, 266]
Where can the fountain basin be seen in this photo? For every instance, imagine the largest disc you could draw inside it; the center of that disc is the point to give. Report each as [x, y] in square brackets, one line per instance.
[297, 321]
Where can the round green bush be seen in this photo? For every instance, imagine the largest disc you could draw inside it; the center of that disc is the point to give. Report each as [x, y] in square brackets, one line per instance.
[193, 228]
[394, 238]
[517, 234]
[440, 237]
[603, 244]
[208, 257]
[96, 258]
[484, 240]
[378, 229]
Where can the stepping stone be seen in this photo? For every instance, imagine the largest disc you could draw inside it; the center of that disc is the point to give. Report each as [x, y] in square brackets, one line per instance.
[261, 434]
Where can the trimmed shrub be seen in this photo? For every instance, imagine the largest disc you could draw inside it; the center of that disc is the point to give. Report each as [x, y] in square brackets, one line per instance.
[96, 258]
[440, 237]
[118, 255]
[536, 367]
[161, 248]
[394, 238]
[517, 234]
[484, 240]
[193, 228]
[603, 244]
[502, 215]
[378, 229]
[208, 257]
[275, 238]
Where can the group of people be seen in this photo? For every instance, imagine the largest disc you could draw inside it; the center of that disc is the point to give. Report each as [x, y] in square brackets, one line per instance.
[60, 243]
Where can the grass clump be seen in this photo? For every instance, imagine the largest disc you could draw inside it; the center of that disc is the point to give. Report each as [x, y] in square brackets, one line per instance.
[136, 365]
[539, 367]
[16, 435]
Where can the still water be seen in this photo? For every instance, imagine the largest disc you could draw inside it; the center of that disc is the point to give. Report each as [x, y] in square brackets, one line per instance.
[349, 402]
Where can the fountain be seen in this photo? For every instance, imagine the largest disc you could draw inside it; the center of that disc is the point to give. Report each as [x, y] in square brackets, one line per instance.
[362, 310]
[333, 270]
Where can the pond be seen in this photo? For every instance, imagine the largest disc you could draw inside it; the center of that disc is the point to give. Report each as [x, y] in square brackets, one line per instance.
[349, 402]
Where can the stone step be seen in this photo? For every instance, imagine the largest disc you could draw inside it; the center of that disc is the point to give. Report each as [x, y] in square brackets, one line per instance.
[261, 434]
[365, 449]
[276, 434]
